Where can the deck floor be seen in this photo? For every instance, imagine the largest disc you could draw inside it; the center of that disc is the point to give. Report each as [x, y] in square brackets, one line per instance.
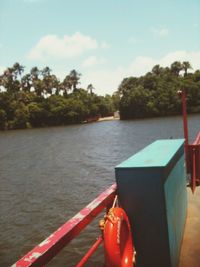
[190, 252]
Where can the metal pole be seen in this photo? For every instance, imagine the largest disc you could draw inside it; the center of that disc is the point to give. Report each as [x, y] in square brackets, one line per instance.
[90, 252]
[185, 127]
[193, 178]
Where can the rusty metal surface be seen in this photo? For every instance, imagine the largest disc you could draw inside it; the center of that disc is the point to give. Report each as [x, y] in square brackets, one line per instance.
[46, 250]
[190, 251]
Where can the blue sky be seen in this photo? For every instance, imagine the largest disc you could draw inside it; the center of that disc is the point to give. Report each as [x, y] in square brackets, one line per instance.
[104, 40]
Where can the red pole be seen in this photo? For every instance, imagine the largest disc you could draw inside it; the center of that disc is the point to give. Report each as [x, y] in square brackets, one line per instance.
[193, 178]
[185, 127]
[90, 252]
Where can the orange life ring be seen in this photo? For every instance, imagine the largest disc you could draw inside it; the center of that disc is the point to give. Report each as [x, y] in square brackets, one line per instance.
[118, 246]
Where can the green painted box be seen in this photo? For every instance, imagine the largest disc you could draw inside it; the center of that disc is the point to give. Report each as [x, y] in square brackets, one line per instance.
[152, 189]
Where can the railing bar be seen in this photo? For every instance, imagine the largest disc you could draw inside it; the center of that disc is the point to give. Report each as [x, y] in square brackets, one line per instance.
[50, 247]
[90, 252]
[197, 140]
[193, 170]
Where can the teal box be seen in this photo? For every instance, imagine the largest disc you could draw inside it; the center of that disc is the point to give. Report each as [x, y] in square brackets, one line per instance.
[152, 190]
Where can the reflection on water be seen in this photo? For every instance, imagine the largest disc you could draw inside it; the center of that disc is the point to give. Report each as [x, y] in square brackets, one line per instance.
[47, 175]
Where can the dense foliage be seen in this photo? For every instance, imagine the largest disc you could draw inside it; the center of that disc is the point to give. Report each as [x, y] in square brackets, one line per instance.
[39, 99]
[155, 94]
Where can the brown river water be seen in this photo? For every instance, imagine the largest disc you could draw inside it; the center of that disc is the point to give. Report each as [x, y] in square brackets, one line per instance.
[47, 175]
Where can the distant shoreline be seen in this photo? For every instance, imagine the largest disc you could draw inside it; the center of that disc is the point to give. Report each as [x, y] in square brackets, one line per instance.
[110, 118]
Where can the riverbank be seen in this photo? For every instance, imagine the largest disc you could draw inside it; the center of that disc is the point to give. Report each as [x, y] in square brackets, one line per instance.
[110, 118]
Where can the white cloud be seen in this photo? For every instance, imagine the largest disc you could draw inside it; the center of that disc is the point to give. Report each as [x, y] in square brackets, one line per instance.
[133, 40]
[193, 57]
[104, 45]
[2, 69]
[67, 47]
[106, 81]
[90, 61]
[140, 65]
[93, 61]
[162, 32]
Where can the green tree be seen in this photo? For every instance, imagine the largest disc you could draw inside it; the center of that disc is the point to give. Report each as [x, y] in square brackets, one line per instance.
[157, 70]
[36, 82]
[46, 72]
[90, 88]
[74, 79]
[21, 117]
[17, 70]
[176, 67]
[66, 85]
[105, 106]
[135, 105]
[35, 72]
[116, 100]
[3, 120]
[186, 66]
[26, 83]
[38, 115]
[9, 81]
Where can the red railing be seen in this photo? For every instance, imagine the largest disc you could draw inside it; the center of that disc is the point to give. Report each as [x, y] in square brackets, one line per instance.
[185, 126]
[50, 247]
[192, 151]
[194, 162]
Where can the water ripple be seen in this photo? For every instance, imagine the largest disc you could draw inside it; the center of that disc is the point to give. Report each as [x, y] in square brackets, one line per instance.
[48, 175]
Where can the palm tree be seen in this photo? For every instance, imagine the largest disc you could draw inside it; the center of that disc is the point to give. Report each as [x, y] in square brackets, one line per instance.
[90, 88]
[36, 81]
[186, 65]
[26, 83]
[157, 69]
[176, 67]
[46, 72]
[17, 70]
[9, 82]
[50, 82]
[38, 87]
[35, 72]
[47, 81]
[74, 78]
[66, 85]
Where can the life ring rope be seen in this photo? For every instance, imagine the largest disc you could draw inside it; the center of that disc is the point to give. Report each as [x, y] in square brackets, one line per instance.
[116, 231]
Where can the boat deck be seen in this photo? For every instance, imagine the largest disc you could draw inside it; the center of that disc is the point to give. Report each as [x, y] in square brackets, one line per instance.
[190, 252]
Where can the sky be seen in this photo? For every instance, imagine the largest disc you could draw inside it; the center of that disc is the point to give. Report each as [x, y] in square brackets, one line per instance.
[105, 40]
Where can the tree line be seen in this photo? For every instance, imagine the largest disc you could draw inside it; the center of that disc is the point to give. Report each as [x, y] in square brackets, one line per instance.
[155, 94]
[39, 98]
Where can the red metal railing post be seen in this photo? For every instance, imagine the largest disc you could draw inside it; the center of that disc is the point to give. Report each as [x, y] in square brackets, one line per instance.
[192, 152]
[90, 252]
[45, 251]
[193, 176]
[185, 127]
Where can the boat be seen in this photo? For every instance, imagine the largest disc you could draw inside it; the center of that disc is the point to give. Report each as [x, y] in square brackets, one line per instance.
[92, 119]
[147, 226]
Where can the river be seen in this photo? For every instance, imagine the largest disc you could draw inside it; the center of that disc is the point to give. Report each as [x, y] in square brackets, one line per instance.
[47, 175]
